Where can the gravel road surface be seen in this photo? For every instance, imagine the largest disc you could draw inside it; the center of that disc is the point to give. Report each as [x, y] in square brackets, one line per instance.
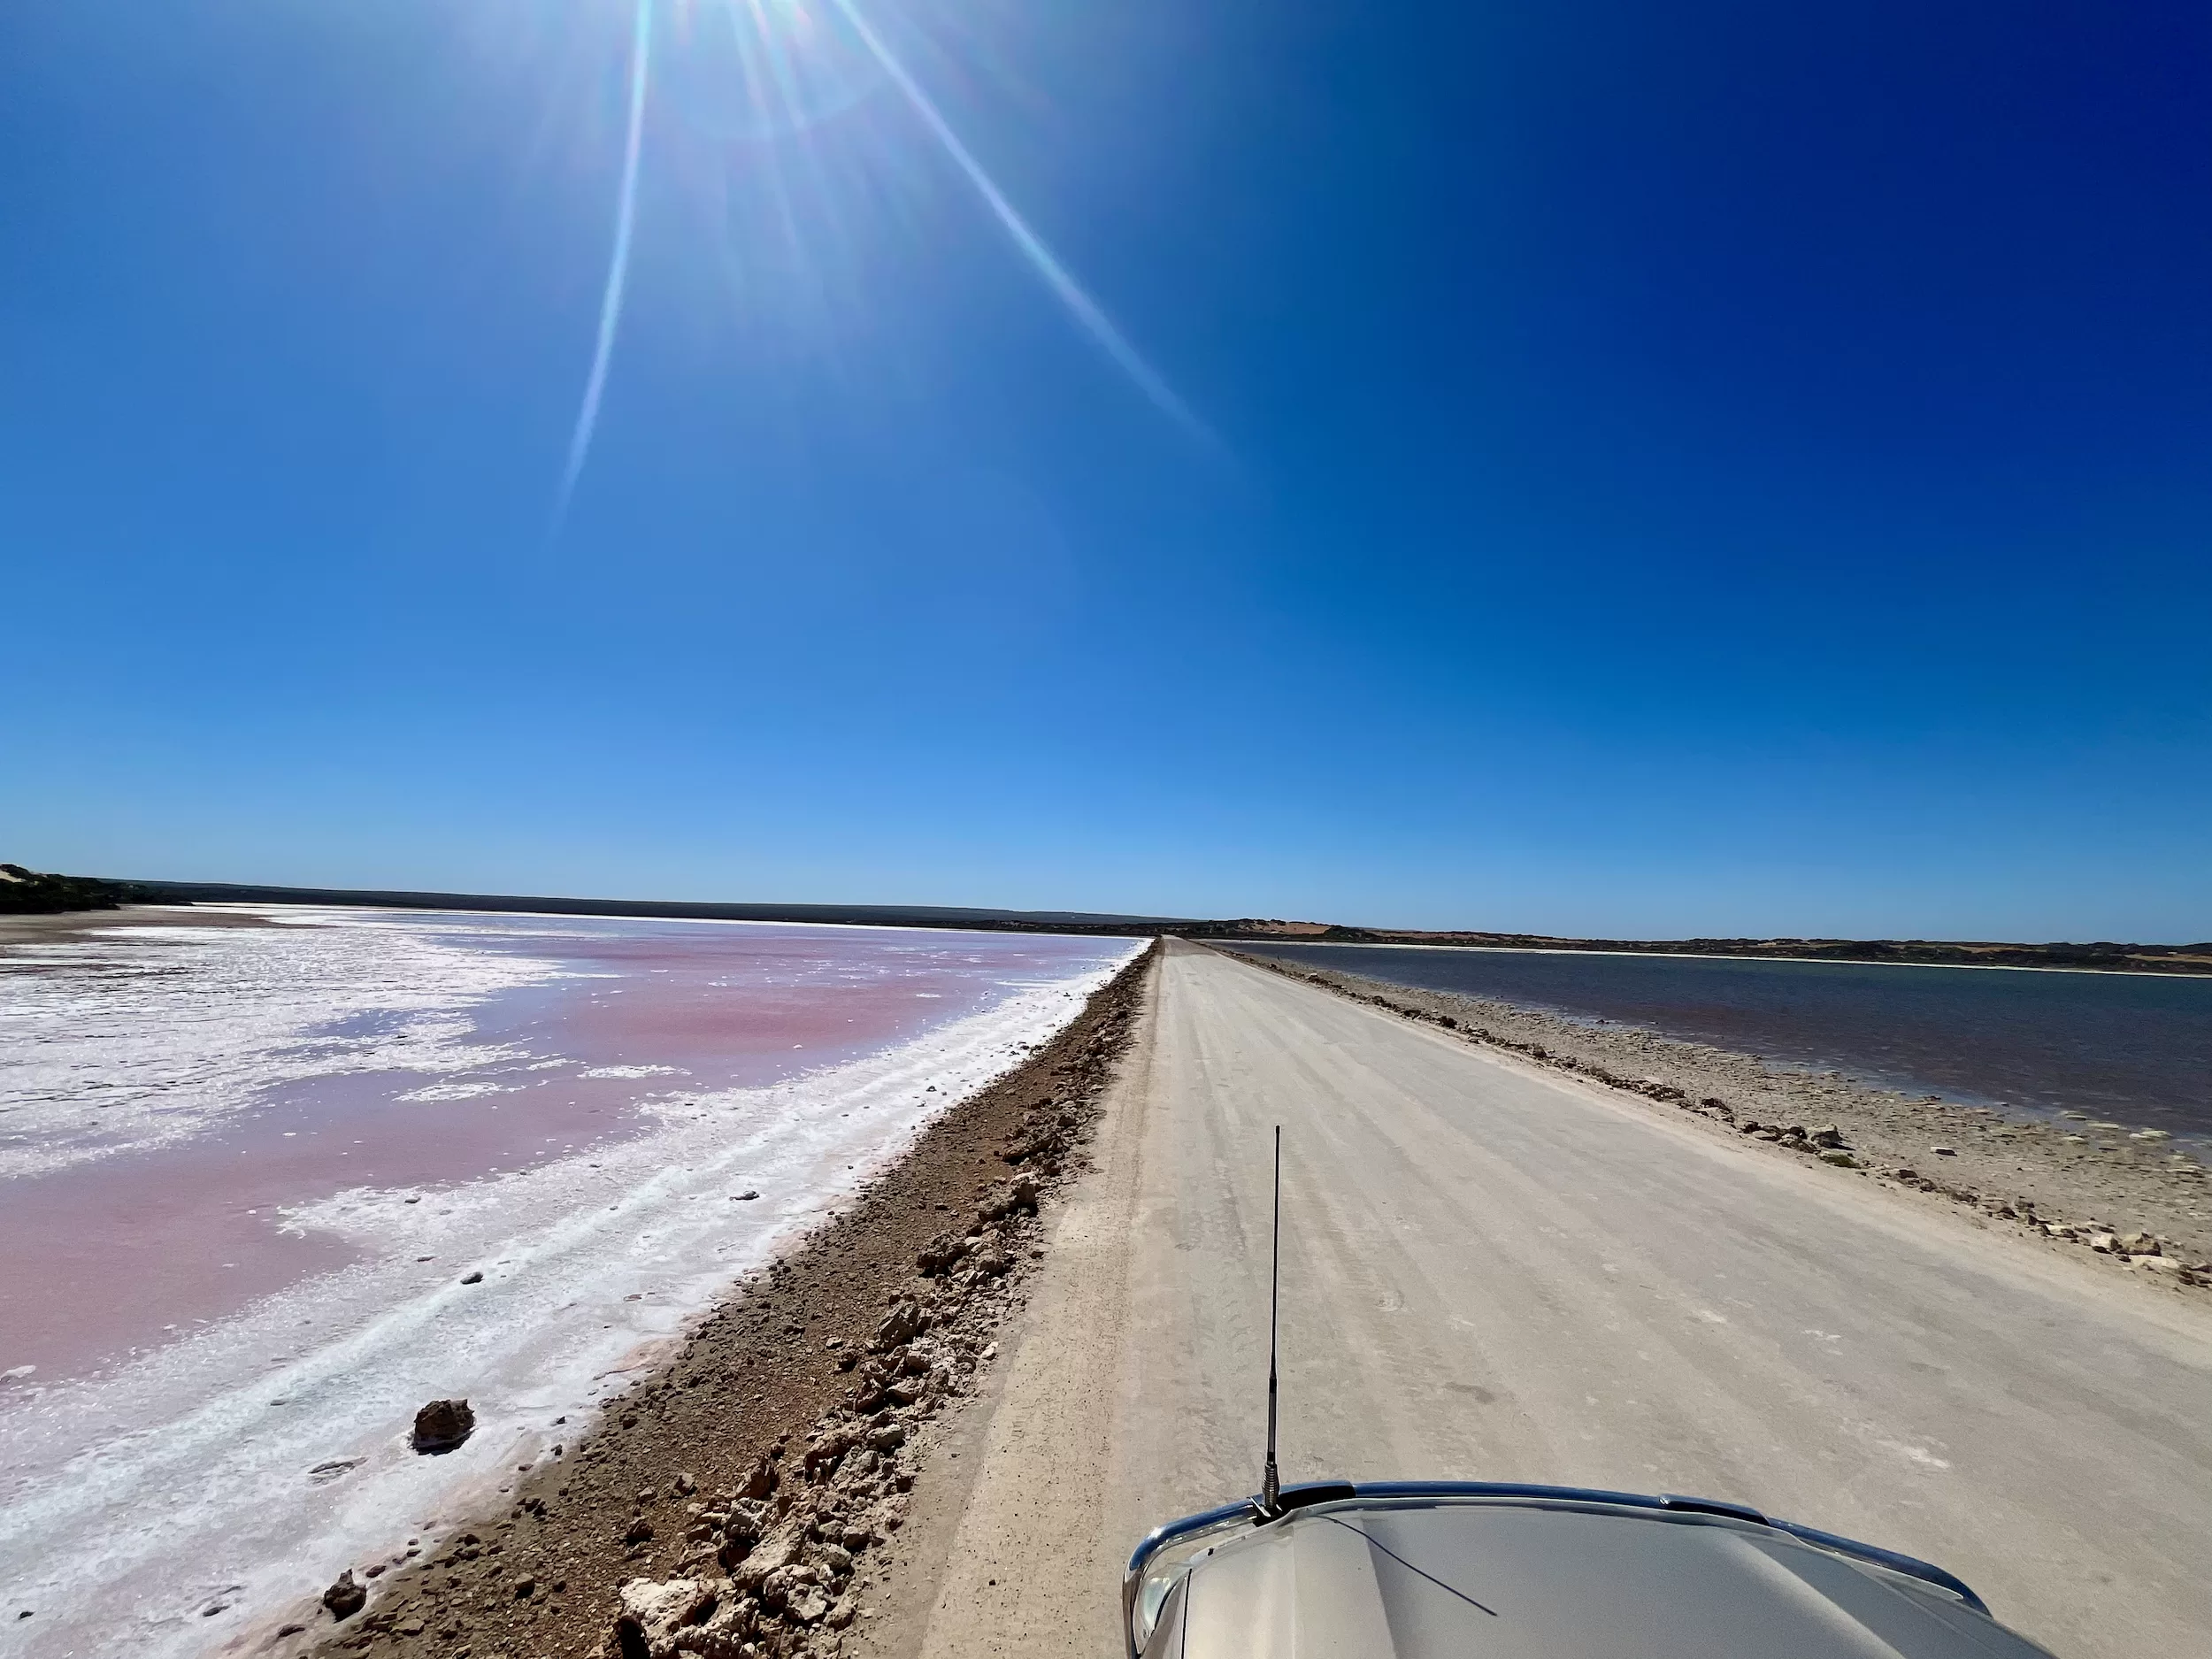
[1491, 1271]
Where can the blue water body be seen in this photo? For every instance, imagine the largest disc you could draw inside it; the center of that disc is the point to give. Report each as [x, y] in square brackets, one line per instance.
[2134, 1049]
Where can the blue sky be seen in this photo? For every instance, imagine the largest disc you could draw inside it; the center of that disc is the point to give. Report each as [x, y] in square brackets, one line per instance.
[1595, 467]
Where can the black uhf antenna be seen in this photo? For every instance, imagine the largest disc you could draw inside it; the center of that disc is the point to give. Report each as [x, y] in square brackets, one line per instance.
[1271, 1487]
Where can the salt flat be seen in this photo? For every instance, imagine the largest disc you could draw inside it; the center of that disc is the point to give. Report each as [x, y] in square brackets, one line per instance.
[504, 1158]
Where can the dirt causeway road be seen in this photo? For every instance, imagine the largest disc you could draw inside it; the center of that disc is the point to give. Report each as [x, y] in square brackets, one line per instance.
[1491, 1271]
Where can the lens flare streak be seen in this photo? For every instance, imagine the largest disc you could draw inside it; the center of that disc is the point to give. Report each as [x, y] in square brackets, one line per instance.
[1087, 313]
[1085, 310]
[617, 265]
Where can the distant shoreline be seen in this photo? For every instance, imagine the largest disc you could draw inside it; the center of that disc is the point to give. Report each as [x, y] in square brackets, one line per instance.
[1726, 956]
[2175, 961]
[2096, 957]
[666, 910]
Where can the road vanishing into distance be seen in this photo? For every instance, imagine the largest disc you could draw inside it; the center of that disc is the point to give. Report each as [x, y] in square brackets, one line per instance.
[1494, 1272]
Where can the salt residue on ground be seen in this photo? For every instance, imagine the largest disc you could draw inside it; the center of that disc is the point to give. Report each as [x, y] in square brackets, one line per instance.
[150, 1509]
[119, 1041]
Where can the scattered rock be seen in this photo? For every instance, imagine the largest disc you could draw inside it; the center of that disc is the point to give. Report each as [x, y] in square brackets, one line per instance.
[443, 1425]
[1838, 1157]
[824, 1451]
[1020, 1193]
[471, 1279]
[1945, 1152]
[899, 1326]
[761, 1481]
[1828, 1135]
[652, 1614]
[747, 1196]
[779, 1584]
[345, 1598]
[940, 1254]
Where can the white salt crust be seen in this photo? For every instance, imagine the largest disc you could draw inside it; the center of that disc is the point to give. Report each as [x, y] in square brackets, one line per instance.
[133, 1501]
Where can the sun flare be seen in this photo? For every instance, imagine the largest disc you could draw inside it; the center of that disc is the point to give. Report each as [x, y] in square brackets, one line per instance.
[770, 74]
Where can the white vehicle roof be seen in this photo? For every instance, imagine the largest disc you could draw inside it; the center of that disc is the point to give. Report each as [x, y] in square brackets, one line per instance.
[1424, 1576]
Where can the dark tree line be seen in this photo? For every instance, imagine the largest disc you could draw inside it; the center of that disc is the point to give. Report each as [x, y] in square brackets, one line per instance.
[29, 893]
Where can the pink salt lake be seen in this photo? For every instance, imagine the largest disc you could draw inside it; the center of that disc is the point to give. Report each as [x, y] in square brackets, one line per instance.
[274, 1178]
[472, 1045]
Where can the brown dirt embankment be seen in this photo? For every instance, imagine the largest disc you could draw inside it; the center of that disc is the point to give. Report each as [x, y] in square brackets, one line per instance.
[2081, 1184]
[737, 1502]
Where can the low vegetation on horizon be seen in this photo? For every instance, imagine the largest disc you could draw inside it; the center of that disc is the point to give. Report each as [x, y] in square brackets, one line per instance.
[29, 893]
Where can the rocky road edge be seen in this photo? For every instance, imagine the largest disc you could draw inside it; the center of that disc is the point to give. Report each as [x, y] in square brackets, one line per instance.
[2037, 1178]
[734, 1504]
